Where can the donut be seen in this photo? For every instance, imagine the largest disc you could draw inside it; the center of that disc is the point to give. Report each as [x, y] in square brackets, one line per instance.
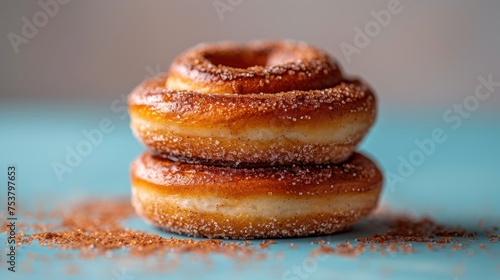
[257, 104]
[245, 203]
[268, 67]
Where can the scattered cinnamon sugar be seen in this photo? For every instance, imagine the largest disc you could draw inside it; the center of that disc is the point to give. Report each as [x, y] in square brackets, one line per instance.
[265, 243]
[406, 248]
[94, 229]
[425, 230]
[459, 246]
[403, 231]
[429, 246]
[136, 242]
[342, 249]
[392, 248]
[323, 250]
[482, 246]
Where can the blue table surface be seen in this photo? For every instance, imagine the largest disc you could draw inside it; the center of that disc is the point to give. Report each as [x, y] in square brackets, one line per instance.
[457, 184]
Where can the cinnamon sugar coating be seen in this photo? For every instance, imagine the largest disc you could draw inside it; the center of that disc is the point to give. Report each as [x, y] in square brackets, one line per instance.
[243, 203]
[264, 66]
[316, 126]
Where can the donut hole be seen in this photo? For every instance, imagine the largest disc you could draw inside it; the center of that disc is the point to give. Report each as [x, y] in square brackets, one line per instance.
[244, 59]
[238, 59]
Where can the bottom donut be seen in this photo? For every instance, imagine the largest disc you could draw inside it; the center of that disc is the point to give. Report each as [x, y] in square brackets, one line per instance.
[246, 203]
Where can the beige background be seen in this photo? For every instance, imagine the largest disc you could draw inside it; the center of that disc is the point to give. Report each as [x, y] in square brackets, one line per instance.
[429, 54]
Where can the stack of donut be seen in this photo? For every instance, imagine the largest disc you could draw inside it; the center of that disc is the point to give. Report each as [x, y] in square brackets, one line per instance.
[253, 140]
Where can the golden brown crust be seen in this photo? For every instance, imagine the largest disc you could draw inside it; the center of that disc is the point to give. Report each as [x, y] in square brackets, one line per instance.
[210, 201]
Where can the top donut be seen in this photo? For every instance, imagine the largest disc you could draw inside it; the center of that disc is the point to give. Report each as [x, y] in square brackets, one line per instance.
[262, 103]
[267, 67]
